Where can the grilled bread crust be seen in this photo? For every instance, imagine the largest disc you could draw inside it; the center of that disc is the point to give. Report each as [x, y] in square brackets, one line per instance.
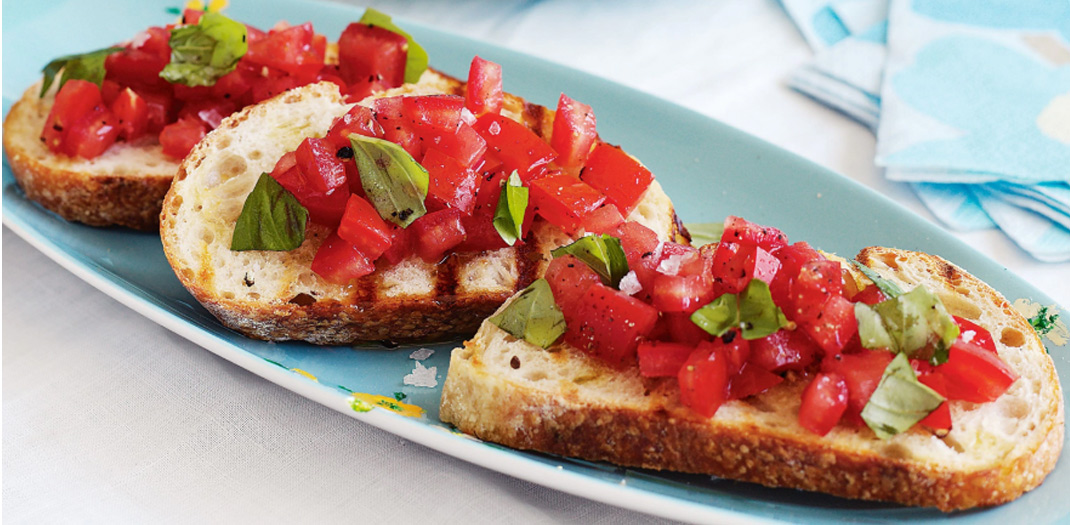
[561, 401]
[276, 296]
[124, 186]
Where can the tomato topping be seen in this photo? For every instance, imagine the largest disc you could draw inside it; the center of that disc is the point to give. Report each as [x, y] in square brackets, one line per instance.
[338, 262]
[608, 324]
[320, 165]
[677, 259]
[436, 233]
[75, 99]
[292, 50]
[704, 380]
[92, 134]
[751, 380]
[466, 146]
[681, 329]
[390, 114]
[972, 333]
[132, 113]
[368, 52]
[616, 174]
[833, 326]
[569, 279]
[359, 121]
[209, 112]
[452, 185]
[862, 372]
[272, 85]
[783, 350]
[975, 374]
[939, 419]
[161, 108]
[433, 115]
[869, 295]
[516, 146]
[574, 134]
[179, 138]
[401, 245]
[681, 293]
[605, 219]
[323, 208]
[824, 402]
[139, 66]
[483, 93]
[735, 264]
[816, 282]
[564, 200]
[743, 231]
[661, 359]
[362, 227]
[791, 260]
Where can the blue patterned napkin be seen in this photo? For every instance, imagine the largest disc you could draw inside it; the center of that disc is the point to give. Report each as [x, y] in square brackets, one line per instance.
[970, 100]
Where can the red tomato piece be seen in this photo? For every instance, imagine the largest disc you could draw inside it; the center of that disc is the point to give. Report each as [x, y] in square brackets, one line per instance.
[359, 120]
[833, 326]
[574, 134]
[608, 324]
[661, 359]
[369, 52]
[678, 259]
[751, 380]
[191, 17]
[362, 227]
[483, 93]
[466, 146]
[432, 115]
[339, 262]
[682, 329]
[742, 231]
[92, 134]
[209, 111]
[271, 86]
[109, 91]
[452, 185]
[132, 113]
[973, 333]
[564, 200]
[605, 219]
[939, 419]
[616, 174]
[436, 233]
[323, 208]
[479, 226]
[187, 93]
[161, 109]
[862, 372]
[139, 68]
[783, 350]
[735, 348]
[179, 138]
[704, 380]
[815, 284]
[390, 114]
[291, 50]
[869, 295]
[642, 249]
[516, 146]
[569, 279]
[791, 259]
[75, 100]
[735, 264]
[824, 402]
[974, 374]
[400, 245]
[681, 293]
[319, 163]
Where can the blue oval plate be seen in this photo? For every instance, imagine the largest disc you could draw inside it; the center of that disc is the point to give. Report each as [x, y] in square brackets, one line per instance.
[710, 169]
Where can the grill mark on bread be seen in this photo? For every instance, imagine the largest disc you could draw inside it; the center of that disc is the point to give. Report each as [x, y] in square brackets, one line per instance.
[446, 277]
[535, 117]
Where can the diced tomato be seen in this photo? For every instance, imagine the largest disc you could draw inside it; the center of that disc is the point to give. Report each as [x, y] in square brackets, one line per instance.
[751, 380]
[574, 134]
[191, 16]
[824, 402]
[436, 233]
[466, 146]
[390, 114]
[681, 293]
[742, 231]
[359, 120]
[783, 350]
[678, 259]
[791, 259]
[869, 295]
[661, 359]
[161, 109]
[362, 227]
[132, 113]
[338, 262]
[75, 100]
[616, 174]
[330, 73]
[975, 374]
[816, 283]
[609, 324]
[370, 52]
[92, 134]
[178, 138]
[362, 89]
[569, 279]
[479, 226]
[432, 115]
[862, 372]
[735, 348]
[516, 146]
[704, 380]
[319, 163]
[834, 326]
[270, 86]
[209, 111]
[973, 333]
[682, 329]
[109, 91]
[400, 245]
[939, 419]
[735, 264]
[187, 93]
[605, 219]
[323, 208]
[451, 186]
[291, 50]
[564, 200]
[641, 247]
[139, 68]
[483, 93]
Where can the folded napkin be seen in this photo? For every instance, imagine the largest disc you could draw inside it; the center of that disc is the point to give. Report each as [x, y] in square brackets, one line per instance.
[970, 101]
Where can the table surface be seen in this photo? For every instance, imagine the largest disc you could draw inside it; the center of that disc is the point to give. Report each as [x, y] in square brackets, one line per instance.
[107, 415]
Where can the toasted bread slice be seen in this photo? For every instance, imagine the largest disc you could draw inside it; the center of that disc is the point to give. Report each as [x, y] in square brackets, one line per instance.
[124, 186]
[563, 402]
[276, 296]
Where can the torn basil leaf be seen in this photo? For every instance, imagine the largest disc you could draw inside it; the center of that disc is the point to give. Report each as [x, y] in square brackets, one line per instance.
[85, 66]
[533, 316]
[271, 219]
[752, 310]
[889, 288]
[899, 401]
[393, 181]
[203, 53]
[509, 217]
[703, 233]
[914, 323]
[416, 57]
[603, 253]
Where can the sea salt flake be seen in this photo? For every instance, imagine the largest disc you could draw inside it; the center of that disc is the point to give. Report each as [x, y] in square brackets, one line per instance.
[421, 354]
[629, 284]
[671, 264]
[422, 376]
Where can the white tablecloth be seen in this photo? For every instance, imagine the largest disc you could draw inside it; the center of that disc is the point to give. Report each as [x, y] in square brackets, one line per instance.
[109, 418]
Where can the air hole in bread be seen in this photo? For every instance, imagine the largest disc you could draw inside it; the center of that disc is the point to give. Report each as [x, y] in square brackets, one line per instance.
[303, 299]
[223, 142]
[232, 166]
[535, 375]
[253, 296]
[1012, 337]
[1014, 408]
[255, 154]
[961, 306]
[954, 444]
[889, 260]
[897, 450]
[963, 290]
[228, 295]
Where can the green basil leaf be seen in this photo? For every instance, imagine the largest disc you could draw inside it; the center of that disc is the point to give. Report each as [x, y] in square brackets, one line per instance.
[889, 288]
[718, 317]
[85, 66]
[917, 324]
[704, 232]
[899, 401]
[533, 316]
[416, 58]
[202, 53]
[271, 219]
[509, 217]
[871, 330]
[394, 182]
[603, 253]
